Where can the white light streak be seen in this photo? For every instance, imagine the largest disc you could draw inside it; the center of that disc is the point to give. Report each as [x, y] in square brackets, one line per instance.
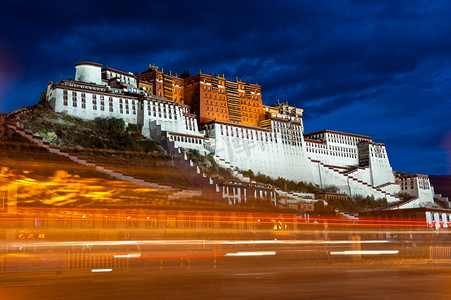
[127, 255]
[101, 270]
[365, 252]
[250, 242]
[194, 242]
[256, 253]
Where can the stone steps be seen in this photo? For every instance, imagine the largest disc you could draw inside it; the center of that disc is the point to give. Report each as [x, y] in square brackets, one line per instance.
[372, 189]
[89, 163]
[186, 166]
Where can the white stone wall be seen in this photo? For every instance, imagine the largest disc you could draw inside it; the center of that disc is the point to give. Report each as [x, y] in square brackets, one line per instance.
[438, 220]
[88, 105]
[417, 186]
[188, 142]
[127, 79]
[363, 174]
[392, 188]
[381, 171]
[278, 152]
[171, 116]
[333, 148]
[88, 73]
[424, 190]
[328, 177]
[248, 148]
[332, 154]
[265, 151]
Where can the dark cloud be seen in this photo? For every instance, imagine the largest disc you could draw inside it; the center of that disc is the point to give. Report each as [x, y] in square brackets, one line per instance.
[372, 67]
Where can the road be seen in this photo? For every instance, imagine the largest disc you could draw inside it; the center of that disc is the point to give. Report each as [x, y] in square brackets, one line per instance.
[336, 281]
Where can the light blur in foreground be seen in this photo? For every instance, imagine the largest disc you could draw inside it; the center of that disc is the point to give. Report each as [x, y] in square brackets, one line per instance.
[63, 230]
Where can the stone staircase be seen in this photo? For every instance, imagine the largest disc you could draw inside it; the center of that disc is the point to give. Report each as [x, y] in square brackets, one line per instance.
[371, 190]
[358, 183]
[403, 203]
[384, 185]
[225, 164]
[396, 205]
[354, 170]
[89, 163]
[347, 215]
[209, 186]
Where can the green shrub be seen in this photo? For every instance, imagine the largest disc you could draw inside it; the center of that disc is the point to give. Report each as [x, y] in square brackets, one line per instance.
[405, 196]
[357, 203]
[147, 146]
[280, 182]
[112, 125]
[133, 128]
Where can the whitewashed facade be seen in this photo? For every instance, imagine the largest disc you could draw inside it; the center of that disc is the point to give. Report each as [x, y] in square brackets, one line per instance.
[353, 163]
[116, 96]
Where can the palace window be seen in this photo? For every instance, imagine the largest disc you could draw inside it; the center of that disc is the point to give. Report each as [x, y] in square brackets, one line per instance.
[111, 104]
[65, 98]
[74, 99]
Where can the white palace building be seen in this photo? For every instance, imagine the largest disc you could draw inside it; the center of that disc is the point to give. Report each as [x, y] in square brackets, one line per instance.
[228, 119]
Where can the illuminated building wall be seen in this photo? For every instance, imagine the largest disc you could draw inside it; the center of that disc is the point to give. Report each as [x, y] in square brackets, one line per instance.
[236, 127]
[162, 85]
[215, 98]
[119, 95]
[210, 97]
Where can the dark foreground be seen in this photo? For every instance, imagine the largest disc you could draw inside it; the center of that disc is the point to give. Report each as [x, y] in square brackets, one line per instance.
[344, 280]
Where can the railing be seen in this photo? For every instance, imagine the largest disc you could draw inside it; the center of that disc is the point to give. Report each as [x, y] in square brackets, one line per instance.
[439, 253]
[94, 261]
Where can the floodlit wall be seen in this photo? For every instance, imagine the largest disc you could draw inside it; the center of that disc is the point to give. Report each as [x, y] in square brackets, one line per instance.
[325, 158]
[251, 148]
[346, 184]
[88, 72]
[88, 105]
[363, 174]
[381, 171]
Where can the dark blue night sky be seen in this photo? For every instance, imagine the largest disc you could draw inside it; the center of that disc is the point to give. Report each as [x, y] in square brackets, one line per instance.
[378, 68]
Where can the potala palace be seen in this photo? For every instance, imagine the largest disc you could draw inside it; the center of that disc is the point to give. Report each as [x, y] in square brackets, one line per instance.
[228, 119]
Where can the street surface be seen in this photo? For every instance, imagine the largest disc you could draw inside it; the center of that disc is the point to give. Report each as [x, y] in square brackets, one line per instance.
[343, 280]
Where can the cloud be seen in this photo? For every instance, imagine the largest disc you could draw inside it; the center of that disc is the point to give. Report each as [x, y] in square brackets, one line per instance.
[380, 67]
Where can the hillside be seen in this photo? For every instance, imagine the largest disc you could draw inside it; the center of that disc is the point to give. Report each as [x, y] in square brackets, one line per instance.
[104, 142]
[44, 179]
[108, 144]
